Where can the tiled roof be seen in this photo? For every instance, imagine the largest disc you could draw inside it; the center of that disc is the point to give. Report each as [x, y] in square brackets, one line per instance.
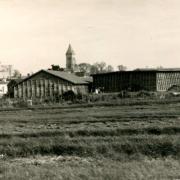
[87, 79]
[62, 75]
[67, 76]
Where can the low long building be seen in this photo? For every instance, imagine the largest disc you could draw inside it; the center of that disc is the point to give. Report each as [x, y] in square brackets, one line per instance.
[139, 79]
[49, 84]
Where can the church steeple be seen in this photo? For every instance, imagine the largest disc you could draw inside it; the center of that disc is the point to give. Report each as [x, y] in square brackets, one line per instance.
[70, 59]
[70, 50]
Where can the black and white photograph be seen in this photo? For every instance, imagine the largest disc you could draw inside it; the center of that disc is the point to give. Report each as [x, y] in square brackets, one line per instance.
[89, 89]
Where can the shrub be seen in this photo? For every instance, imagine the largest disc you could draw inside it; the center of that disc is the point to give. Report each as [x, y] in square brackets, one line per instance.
[69, 96]
[20, 103]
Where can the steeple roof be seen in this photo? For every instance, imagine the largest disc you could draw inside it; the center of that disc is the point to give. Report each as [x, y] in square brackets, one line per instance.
[70, 50]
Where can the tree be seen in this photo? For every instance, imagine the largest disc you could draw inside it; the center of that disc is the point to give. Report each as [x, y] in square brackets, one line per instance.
[55, 67]
[121, 68]
[98, 67]
[101, 66]
[16, 74]
[84, 67]
[109, 68]
[94, 69]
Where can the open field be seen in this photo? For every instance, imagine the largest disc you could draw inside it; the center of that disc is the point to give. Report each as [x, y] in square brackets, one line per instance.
[91, 142]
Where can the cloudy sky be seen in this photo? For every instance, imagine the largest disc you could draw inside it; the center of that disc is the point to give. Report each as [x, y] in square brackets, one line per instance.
[136, 33]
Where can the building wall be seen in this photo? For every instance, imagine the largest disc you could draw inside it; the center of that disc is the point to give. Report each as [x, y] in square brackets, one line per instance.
[44, 85]
[166, 80]
[125, 80]
[143, 80]
[111, 82]
[136, 80]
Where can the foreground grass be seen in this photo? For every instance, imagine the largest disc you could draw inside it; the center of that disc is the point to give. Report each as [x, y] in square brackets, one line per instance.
[109, 147]
[96, 142]
[76, 168]
[113, 132]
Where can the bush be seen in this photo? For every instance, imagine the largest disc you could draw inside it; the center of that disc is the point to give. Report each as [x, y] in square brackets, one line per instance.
[20, 103]
[4, 103]
[69, 96]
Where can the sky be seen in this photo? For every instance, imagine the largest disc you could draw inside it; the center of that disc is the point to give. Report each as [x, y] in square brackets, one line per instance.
[34, 34]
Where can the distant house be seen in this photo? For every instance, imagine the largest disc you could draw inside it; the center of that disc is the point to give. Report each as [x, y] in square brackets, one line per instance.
[3, 88]
[49, 84]
[139, 79]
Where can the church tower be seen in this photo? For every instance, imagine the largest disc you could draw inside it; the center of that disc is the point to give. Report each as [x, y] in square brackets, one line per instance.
[70, 59]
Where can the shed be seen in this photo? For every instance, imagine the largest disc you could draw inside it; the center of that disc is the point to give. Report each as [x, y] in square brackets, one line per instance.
[50, 84]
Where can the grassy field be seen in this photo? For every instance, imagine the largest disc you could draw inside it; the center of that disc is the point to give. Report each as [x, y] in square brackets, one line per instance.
[104, 141]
